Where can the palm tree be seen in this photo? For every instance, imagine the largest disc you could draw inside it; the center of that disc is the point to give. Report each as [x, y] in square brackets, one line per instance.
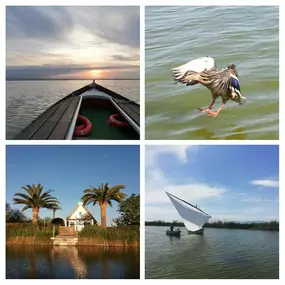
[35, 200]
[55, 207]
[104, 196]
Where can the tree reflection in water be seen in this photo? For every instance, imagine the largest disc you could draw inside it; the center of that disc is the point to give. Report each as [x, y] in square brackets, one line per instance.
[70, 262]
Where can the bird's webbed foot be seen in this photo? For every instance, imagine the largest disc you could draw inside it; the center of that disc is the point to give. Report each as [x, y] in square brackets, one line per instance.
[204, 110]
[213, 114]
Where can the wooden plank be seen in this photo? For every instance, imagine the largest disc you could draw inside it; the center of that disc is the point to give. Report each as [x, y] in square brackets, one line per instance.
[60, 131]
[33, 127]
[136, 109]
[133, 107]
[44, 132]
[132, 110]
[131, 113]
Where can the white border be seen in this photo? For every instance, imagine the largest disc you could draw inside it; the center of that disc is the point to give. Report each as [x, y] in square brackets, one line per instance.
[142, 142]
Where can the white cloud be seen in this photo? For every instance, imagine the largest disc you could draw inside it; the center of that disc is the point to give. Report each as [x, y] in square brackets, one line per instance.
[157, 182]
[265, 183]
[259, 200]
[179, 151]
[160, 179]
[161, 213]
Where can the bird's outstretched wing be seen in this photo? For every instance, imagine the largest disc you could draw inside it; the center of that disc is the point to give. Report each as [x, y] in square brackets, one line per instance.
[187, 73]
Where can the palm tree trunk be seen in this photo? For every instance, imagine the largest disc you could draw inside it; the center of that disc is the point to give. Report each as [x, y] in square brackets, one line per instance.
[103, 215]
[53, 213]
[35, 215]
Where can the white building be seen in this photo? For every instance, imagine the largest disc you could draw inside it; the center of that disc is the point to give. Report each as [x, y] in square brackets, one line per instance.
[80, 217]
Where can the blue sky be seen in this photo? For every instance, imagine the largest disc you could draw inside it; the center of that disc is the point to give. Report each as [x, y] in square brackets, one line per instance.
[68, 170]
[238, 183]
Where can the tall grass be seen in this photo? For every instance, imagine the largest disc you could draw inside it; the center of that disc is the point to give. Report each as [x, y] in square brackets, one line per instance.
[124, 234]
[26, 230]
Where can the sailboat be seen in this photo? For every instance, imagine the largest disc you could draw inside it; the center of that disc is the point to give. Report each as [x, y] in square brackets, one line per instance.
[193, 217]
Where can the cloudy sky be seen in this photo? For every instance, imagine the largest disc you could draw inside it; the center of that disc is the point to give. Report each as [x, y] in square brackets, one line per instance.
[238, 183]
[72, 42]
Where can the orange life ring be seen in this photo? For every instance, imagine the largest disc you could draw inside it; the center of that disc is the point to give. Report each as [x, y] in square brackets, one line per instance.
[80, 127]
[113, 120]
[85, 130]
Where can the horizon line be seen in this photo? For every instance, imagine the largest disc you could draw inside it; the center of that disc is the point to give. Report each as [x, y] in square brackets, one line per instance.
[224, 221]
[54, 79]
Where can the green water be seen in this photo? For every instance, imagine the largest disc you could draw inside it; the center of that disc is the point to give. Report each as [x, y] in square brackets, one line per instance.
[245, 36]
[218, 254]
[102, 130]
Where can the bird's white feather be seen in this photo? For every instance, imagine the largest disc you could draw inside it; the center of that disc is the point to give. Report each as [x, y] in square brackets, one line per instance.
[197, 65]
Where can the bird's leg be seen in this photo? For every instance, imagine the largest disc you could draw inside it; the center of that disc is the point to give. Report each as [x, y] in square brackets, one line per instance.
[215, 114]
[207, 110]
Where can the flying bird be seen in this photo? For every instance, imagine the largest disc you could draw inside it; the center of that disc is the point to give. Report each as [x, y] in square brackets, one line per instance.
[222, 83]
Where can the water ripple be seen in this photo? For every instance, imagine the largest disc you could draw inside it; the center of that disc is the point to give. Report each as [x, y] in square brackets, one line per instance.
[220, 253]
[176, 34]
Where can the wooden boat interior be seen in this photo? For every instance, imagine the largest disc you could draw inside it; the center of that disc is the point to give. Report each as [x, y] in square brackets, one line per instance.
[96, 103]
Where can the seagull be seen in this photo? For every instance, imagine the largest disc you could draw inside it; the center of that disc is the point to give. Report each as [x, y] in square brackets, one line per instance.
[222, 83]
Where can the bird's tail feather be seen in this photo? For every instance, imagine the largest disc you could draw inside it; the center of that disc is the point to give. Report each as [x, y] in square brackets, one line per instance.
[242, 100]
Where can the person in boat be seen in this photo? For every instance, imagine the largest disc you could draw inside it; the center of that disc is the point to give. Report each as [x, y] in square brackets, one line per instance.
[171, 227]
[93, 84]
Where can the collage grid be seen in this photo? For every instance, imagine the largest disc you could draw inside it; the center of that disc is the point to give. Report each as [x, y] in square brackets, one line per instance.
[171, 131]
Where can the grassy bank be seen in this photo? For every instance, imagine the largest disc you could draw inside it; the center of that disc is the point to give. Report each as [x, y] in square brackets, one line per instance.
[90, 235]
[126, 236]
[269, 226]
[29, 240]
[28, 234]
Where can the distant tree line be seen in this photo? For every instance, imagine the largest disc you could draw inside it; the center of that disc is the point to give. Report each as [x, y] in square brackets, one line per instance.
[270, 226]
[164, 224]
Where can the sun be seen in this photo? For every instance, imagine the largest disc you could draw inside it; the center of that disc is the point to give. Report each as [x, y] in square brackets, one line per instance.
[96, 74]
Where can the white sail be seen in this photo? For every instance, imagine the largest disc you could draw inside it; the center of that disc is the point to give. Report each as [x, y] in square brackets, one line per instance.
[193, 218]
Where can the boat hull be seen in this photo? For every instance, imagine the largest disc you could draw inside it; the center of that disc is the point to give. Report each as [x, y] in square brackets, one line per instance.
[198, 232]
[59, 121]
[174, 233]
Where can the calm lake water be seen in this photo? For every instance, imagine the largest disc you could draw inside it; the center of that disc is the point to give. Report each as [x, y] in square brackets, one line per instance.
[245, 36]
[26, 100]
[219, 253]
[36, 262]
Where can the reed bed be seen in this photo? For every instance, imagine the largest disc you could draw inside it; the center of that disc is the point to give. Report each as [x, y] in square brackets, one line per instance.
[29, 231]
[125, 234]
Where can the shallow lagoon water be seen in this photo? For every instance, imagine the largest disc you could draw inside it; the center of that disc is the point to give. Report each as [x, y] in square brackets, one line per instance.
[240, 35]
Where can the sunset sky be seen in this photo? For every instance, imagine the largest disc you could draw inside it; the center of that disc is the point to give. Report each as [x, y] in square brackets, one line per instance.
[72, 42]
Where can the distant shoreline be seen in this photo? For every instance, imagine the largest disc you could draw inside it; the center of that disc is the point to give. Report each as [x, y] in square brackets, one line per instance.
[266, 226]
